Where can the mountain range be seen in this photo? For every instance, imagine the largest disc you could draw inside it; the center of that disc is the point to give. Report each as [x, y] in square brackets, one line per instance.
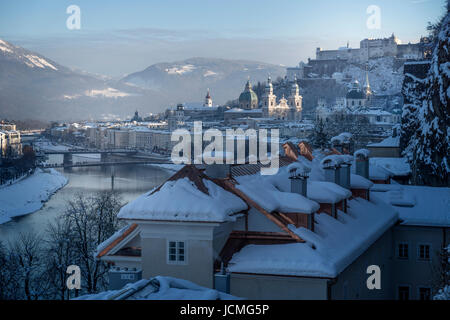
[35, 87]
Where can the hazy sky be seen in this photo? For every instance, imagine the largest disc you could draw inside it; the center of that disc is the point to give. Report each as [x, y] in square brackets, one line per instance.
[119, 37]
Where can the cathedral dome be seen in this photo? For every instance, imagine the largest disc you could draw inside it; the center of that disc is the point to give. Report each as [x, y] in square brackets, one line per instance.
[355, 92]
[248, 95]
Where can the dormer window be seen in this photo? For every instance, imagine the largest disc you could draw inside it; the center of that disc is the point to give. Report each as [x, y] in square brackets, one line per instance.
[176, 252]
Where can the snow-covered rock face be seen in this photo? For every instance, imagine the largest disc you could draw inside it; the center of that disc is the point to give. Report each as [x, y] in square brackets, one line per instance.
[5, 47]
[384, 78]
[30, 60]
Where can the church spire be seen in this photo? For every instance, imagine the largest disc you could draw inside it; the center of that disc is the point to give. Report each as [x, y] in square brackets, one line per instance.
[208, 100]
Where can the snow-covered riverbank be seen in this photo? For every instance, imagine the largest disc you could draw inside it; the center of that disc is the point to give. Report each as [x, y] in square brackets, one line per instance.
[28, 195]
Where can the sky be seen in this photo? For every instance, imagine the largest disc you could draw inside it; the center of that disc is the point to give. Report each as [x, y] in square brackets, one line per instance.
[120, 37]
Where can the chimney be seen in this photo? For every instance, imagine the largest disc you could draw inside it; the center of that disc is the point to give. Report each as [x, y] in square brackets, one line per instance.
[332, 173]
[299, 182]
[344, 174]
[298, 174]
[362, 162]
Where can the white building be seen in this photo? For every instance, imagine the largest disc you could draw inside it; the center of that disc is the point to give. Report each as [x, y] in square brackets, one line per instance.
[373, 48]
[286, 109]
[291, 235]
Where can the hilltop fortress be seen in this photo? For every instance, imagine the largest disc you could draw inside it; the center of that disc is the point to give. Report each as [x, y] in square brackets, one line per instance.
[375, 48]
[329, 61]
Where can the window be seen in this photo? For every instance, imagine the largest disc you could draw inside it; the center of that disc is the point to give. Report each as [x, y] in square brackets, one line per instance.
[424, 293]
[423, 252]
[176, 252]
[403, 293]
[402, 251]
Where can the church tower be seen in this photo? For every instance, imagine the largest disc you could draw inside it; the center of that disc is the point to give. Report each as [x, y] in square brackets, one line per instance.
[295, 102]
[208, 100]
[366, 89]
[269, 100]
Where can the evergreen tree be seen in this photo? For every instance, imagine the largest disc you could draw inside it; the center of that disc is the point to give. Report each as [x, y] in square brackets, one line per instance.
[319, 137]
[413, 92]
[430, 144]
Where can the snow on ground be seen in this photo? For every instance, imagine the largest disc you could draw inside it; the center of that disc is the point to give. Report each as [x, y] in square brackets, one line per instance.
[46, 145]
[106, 93]
[160, 288]
[181, 200]
[180, 70]
[28, 195]
[209, 73]
[328, 250]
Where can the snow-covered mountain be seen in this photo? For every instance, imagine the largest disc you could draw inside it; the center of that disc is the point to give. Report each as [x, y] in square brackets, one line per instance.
[188, 80]
[33, 86]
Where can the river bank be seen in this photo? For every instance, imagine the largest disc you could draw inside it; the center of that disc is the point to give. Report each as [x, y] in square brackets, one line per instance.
[29, 195]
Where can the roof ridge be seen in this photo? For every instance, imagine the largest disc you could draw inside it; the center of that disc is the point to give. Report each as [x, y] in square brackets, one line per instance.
[192, 173]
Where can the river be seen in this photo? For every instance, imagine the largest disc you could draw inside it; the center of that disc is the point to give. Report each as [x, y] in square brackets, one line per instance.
[130, 181]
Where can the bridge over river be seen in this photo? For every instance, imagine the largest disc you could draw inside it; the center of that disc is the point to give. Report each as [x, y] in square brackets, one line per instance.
[135, 158]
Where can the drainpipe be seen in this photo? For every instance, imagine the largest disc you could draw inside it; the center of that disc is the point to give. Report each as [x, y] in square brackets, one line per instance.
[330, 283]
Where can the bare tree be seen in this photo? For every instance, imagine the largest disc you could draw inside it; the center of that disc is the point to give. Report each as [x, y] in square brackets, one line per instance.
[92, 220]
[26, 259]
[59, 256]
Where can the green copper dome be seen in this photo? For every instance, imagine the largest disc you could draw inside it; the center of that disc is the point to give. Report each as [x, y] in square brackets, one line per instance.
[248, 95]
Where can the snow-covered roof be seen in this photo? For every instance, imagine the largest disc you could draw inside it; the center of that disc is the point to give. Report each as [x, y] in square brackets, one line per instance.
[420, 205]
[334, 244]
[335, 160]
[187, 196]
[343, 137]
[389, 142]
[395, 166]
[239, 110]
[269, 191]
[267, 195]
[376, 172]
[363, 153]
[160, 288]
[104, 247]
